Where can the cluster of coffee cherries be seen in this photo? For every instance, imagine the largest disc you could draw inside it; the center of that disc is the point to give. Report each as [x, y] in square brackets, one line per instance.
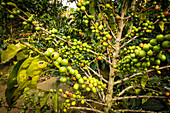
[142, 56]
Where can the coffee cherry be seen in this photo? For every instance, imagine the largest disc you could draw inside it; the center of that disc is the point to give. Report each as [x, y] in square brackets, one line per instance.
[62, 69]
[54, 55]
[64, 62]
[83, 8]
[49, 52]
[76, 86]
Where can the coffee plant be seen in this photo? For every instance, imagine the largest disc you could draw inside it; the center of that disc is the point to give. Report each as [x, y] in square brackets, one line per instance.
[113, 55]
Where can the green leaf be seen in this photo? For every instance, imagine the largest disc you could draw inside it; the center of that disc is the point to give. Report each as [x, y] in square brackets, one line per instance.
[10, 52]
[56, 103]
[21, 55]
[29, 69]
[43, 100]
[145, 99]
[153, 105]
[12, 4]
[33, 68]
[92, 8]
[99, 16]
[142, 17]
[137, 91]
[35, 98]
[161, 25]
[12, 85]
[144, 80]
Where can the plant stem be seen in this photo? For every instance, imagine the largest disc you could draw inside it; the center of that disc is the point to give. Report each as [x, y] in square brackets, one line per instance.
[114, 62]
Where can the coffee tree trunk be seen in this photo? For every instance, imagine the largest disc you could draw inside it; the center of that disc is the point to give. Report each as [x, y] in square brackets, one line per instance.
[112, 74]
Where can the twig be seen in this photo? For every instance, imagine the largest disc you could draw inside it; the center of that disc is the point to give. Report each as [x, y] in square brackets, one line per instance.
[61, 14]
[141, 96]
[84, 72]
[129, 110]
[139, 12]
[111, 44]
[86, 100]
[89, 72]
[101, 56]
[123, 91]
[120, 81]
[106, 22]
[97, 74]
[88, 109]
[128, 41]
[156, 21]
[89, 104]
[100, 95]
[112, 8]
[133, 9]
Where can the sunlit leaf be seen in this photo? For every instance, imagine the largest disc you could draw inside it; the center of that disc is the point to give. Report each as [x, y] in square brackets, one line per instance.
[92, 8]
[12, 4]
[10, 52]
[137, 91]
[21, 55]
[144, 80]
[142, 17]
[161, 25]
[145, 99]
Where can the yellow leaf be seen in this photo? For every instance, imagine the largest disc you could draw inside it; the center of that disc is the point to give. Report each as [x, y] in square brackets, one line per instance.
[161, 25]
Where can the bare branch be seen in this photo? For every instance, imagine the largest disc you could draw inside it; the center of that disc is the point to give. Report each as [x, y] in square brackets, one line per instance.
[97, 74]
[86, 100]
[111, 44]
[129, 110]
[101, 56]
[84, 72]
[61, 13]
[123, 91]
[156, 21]
[141, 96]
[140, 12]
[88, 109]
[133, 9]
[127, 78]
[129, 41]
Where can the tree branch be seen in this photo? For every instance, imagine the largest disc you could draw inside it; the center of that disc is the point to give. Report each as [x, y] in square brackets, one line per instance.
[128, 41]
[133, 9]
[88, 109]
[141, 96]
[101, 56]
[123, 91]
[140, 12]
[106, 22]
[127, 78]
[129, 110]
[87, 100]
[97, 74]
[61, 14]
